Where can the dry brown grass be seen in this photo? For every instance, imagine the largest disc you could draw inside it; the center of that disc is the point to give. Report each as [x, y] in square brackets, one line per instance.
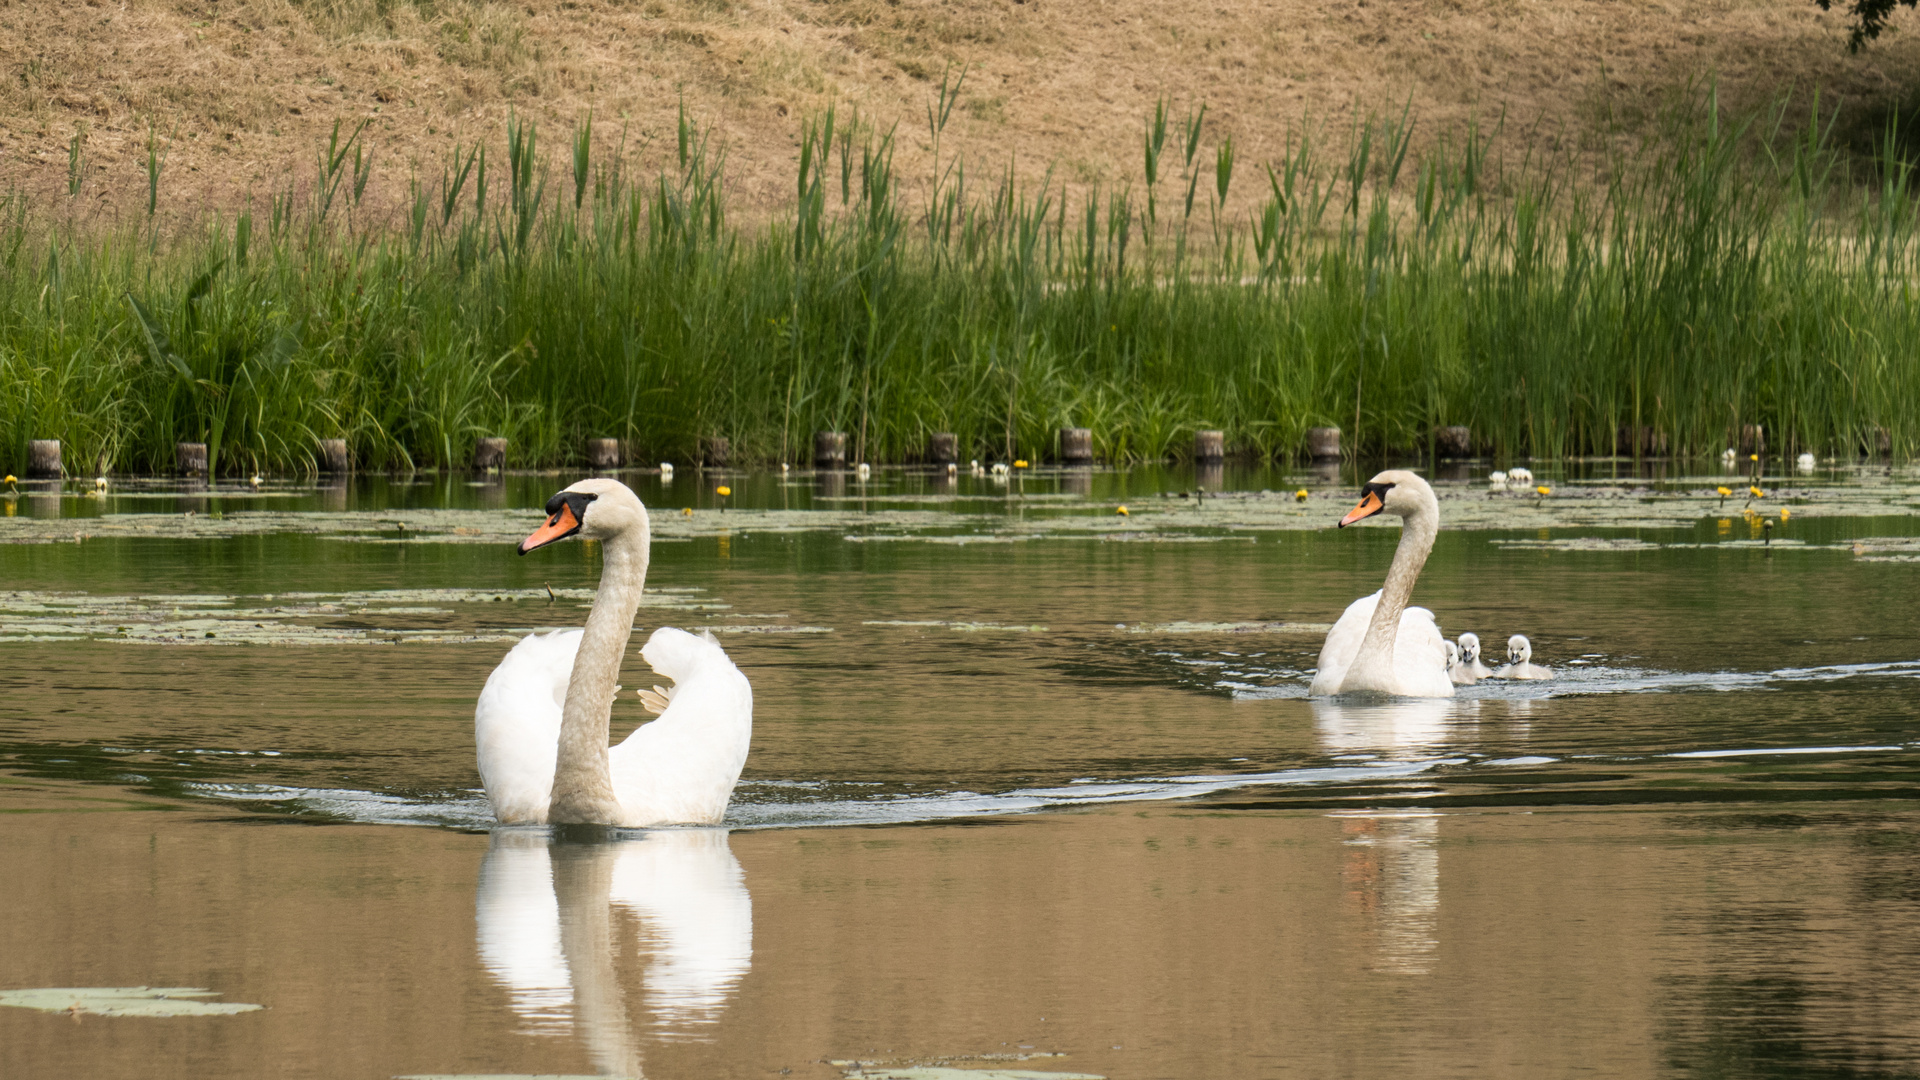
[248, 88]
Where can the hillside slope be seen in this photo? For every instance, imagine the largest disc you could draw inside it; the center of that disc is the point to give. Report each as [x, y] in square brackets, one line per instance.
[238, 94]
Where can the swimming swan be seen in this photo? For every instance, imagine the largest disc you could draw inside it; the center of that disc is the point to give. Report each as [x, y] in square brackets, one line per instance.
[1380, 644]
[1519, 665]
[1470, 657]
[541, 727]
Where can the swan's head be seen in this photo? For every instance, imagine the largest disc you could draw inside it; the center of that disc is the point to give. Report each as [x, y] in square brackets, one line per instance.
[1453, 654]
[1470, 647]
[594, 509]
[1395, 491]
[1519, 649]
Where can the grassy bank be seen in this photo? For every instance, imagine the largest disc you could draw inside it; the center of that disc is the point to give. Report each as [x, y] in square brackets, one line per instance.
[1732, 275]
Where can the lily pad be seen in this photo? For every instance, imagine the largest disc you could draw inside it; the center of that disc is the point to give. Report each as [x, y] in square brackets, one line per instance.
[944, 1072]
[124, 1001]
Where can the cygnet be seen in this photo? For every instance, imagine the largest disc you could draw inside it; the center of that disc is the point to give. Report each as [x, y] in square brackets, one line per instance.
[1520, 661]
[1470, 656]
[1459, 675]
[1806, 461]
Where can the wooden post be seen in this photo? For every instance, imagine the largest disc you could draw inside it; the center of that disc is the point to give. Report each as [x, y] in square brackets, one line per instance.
[1642, 441]
[190, 458]
[1076, 446]
[333, 457]
[43, 457]
[1454, 441]
[1209, 446]
[1323, 443]
[715, 451]
[603, 453]
[489, 452]
[829, 449]
[943, 447]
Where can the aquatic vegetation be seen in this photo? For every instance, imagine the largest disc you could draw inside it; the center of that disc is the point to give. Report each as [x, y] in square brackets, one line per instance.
[368, 617]
[124, 1001]
[1727, 276]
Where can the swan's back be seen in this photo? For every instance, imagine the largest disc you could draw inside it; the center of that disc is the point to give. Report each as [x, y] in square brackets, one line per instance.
[516, 725]
[1419, 653]
[681, 768]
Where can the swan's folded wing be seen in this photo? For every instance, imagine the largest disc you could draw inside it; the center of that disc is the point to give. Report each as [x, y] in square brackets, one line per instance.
[1342, 645]
[516, 724]
[1420, 655]
[655, 700]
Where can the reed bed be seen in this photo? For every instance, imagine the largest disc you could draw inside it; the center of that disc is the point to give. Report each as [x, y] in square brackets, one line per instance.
[1733, 273]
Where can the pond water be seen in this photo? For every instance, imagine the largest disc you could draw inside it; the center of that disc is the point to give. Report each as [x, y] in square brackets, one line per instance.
[1034, 788]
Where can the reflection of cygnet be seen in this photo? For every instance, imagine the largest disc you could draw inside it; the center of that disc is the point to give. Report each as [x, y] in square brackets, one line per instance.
[1519, 665]
[1470, 656]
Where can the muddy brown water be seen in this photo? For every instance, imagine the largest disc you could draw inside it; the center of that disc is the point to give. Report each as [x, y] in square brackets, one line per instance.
[1037, 801]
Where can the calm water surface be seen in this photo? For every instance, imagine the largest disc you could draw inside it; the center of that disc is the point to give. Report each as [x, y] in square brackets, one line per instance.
[1006, 801]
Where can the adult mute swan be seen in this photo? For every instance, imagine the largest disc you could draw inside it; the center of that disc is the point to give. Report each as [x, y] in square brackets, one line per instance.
[541, 727]
[1381, 645]
[1520, 663]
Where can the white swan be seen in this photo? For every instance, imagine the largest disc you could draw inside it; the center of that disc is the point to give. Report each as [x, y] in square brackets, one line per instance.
[541, 727]
[1470, 656]
[1381, 645]
[1519, 661]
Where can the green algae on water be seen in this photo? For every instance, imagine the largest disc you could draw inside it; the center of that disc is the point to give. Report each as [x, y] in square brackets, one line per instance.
[124, 1001]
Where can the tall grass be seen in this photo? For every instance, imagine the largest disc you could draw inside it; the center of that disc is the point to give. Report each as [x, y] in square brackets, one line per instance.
[1730, 273]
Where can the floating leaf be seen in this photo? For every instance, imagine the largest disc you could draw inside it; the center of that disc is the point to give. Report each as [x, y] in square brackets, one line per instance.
[124, 1001]
[944, 1072]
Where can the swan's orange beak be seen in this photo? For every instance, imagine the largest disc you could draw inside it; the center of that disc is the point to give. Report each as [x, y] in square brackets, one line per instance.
[558, 527]
[1370, 504]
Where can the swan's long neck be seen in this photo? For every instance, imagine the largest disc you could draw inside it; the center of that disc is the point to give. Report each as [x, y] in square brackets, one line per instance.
[582, 782]
[1416, 541]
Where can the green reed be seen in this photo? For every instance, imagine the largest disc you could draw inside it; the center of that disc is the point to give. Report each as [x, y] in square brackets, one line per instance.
[1732, 272]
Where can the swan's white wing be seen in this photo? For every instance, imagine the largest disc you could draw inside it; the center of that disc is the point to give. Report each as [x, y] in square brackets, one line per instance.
[1342, 645]
[1420, 656]
[681, 768]
[696, 922]
[1419, 652]
[516, 725]
[518, 924]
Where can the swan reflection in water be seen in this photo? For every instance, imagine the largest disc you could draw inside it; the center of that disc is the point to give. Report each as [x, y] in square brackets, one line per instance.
[1392, 728]
[549, 928]
[1391, 867]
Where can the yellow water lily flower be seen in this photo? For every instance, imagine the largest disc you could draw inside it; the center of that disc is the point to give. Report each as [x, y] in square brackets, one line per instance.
[1021, 464]
[1121, 510]
[1756, 492]
[1300, 496]
[723, 491]
[1544, 489]
[686, 511]
[1785, 514]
